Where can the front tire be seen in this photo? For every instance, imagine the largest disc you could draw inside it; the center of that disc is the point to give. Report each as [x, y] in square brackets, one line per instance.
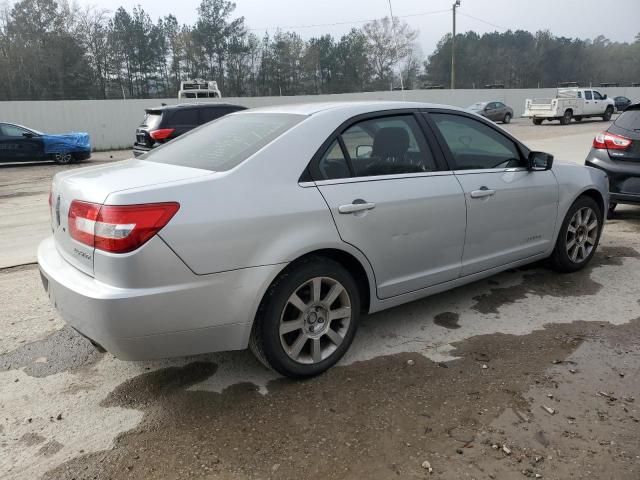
[607, 114]
[63, 158]
[507, 118]
[578, 237]
[612, 210]
[307, 319]
[537, 121]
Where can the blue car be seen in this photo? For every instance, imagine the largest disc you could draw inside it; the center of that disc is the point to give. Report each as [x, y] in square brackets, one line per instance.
[21, 144]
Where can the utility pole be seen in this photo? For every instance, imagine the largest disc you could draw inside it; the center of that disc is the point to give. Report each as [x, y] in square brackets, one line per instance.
[456, 4]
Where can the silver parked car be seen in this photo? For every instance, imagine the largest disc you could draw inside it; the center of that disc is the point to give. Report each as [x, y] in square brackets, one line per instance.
[275, 228]
[496, 111]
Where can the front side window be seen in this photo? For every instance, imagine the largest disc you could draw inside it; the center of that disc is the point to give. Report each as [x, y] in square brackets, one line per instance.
[475, 145]
[224, 143]
[387, 146]
[597, 96]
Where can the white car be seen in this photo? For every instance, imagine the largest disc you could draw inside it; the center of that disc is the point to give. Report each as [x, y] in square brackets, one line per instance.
[570, 103]
[275, 228]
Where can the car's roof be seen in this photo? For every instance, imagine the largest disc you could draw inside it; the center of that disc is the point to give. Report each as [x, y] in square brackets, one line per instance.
[354, 107]
[196, 105]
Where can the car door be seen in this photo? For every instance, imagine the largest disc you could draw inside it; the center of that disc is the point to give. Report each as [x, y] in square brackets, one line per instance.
[18, 144]
[589, 105]
[599, 102]
[498, 113]
[395, 201]
[490, 110]
[511, 211]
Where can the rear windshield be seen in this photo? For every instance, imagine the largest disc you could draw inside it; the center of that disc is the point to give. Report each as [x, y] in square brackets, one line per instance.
[151, 120]
[225, 143]
[629, 120]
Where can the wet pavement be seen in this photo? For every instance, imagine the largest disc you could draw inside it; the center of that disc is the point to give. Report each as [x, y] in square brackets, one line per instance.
[525, 374]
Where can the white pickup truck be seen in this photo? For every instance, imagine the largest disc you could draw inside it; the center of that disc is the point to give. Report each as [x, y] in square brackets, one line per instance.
[577, 103]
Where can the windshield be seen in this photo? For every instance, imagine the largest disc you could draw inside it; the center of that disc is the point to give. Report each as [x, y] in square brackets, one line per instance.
[224, 143]
[478, 106]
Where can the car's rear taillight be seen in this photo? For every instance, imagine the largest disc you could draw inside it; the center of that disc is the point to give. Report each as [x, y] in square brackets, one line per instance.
[611, 141]
[118, 228]
[161, 134]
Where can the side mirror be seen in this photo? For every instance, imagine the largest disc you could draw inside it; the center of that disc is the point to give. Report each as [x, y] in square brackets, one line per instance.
[540, 161]
[604, 96]
[364, 151]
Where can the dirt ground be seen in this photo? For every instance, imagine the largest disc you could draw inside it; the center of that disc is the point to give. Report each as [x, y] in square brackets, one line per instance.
[525, 374]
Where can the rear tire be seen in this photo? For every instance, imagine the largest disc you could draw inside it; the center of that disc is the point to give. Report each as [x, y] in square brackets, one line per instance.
[307, 319]
[611, 213]
[578, 237]
[537, 121]
[578, 118]
[607, 114]
[507, 118]
[566, 118]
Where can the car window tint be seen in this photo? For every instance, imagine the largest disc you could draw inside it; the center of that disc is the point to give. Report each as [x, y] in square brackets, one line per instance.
[388, 146]
[499, 105]
[224, 143]
[629, 120]
[184, 117]
[151, 120]
[475, 145]
[210, 114]
[587, 95]
[597, 96]
[12, 130]
[333, 164]
[579, 94]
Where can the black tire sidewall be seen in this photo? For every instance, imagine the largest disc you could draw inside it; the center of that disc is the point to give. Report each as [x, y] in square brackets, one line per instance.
[560, 258]
[276, 299]
[507, 118]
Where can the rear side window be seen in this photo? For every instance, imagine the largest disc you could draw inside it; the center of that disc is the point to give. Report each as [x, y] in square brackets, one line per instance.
[629, 120]
[225, 143]
[587, 95]
[210, 114]
[152, 120]
[184, 117]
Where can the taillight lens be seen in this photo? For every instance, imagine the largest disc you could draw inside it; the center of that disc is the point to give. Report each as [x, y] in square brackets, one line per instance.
[161, 134]
[118, 228]
[611, 141]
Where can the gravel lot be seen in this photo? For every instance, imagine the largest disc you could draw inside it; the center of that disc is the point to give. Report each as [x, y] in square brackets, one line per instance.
[459, 380]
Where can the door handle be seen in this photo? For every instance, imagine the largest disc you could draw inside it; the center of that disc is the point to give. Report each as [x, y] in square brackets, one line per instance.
[356, 207]
[483, 192]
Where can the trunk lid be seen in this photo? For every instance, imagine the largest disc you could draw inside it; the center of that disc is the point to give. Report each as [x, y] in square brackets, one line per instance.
[94, 185]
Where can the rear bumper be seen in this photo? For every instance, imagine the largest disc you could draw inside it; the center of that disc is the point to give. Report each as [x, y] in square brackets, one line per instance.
[624, 177]
[211, 313]
[138, 150]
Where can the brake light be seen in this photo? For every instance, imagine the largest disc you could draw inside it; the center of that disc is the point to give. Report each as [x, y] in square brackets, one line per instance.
[611, 141]
[161, 134]
[118, 228]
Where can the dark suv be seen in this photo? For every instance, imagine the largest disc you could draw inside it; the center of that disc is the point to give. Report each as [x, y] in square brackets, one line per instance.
[617, 152]
[165, 123]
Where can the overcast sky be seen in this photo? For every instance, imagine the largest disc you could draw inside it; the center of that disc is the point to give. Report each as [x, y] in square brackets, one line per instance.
[616, 19]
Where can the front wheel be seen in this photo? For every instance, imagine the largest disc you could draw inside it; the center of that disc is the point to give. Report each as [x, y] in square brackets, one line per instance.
[537, 121]
[63, 158]
[607, 114]
[307, 319]
[507, 118]
[612, 210]
[578, 237]
[578, 118]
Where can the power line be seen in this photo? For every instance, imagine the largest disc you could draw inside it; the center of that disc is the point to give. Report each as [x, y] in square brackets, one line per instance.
[483, 21]
[350, 22]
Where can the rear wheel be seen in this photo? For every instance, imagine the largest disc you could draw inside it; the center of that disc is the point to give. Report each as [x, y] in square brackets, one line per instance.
[578, 118]
[537, 121]
[612, 210]
[566, 118]
[307, 319]
[578, 237]
[607, 113]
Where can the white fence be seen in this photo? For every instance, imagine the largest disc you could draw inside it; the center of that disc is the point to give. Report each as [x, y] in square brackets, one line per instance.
[112, 123]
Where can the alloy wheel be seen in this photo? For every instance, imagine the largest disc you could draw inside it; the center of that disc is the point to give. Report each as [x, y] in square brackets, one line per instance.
[315, 320]
[582, 235]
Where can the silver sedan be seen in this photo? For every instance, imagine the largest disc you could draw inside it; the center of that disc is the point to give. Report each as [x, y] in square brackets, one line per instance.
[276, 228]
